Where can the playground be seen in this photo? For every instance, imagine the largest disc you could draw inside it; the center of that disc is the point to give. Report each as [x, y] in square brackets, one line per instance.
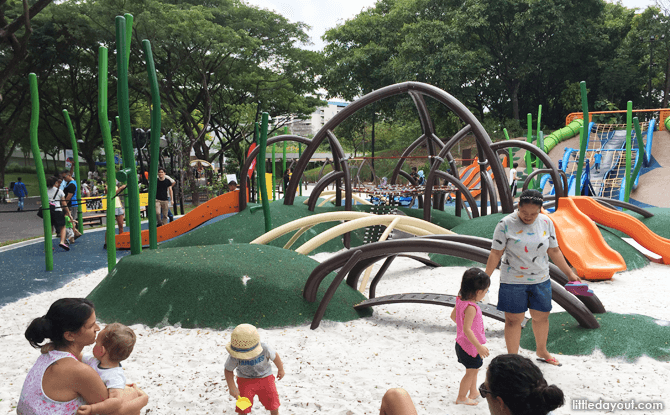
[355, 288]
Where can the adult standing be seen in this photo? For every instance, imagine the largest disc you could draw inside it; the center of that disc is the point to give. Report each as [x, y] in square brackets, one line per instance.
[513, 176]
[21, 192]
[514, 385]
[525, 240]
[56, 198]
[59, 382]
[163, 184]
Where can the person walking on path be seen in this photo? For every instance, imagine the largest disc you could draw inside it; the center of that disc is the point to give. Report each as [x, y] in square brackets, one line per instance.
[527, 239]
[21, 192]
[164, 183]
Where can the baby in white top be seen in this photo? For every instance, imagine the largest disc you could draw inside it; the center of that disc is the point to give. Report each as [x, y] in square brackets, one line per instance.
[112, 346]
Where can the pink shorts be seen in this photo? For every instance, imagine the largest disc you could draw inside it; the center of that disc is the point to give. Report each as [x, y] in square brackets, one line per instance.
[263, 387]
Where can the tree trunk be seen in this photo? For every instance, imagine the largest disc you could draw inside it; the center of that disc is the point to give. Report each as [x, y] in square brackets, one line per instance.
[515, 100]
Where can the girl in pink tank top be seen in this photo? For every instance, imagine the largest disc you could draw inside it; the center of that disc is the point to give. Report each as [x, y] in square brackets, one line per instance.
[470, 332]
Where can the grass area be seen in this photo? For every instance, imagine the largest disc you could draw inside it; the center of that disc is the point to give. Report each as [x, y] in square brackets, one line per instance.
[18, 240]
[29, 179]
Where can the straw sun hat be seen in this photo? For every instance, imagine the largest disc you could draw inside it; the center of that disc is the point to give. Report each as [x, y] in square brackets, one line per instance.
[245, 343]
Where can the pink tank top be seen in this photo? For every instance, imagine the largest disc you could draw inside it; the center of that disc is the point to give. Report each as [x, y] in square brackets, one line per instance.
[33, 401]
[477, 326]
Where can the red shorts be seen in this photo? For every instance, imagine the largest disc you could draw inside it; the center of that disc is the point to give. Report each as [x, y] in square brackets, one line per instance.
[263, 387]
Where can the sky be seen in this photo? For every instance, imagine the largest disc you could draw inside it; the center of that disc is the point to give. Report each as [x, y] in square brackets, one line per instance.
[322, 15]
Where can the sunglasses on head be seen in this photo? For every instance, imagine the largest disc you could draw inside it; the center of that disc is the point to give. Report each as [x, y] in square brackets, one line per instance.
[483, 391]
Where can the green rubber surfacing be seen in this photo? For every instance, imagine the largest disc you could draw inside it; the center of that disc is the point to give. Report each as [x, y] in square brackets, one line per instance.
[217, 287]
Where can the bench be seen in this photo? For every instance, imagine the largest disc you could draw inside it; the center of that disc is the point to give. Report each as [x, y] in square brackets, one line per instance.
[93, 219]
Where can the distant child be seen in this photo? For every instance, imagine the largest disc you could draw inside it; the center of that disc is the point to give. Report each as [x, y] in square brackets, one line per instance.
[21, 192]
[112, 346]
[69, 229]
[470, 332]
[252, 359]
[597, 158]
[513, 176]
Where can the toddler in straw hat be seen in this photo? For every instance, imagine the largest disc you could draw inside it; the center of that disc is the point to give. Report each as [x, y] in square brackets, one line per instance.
[252, 359]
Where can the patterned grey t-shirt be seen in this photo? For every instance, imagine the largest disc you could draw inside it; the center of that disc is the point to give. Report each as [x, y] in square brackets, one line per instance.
[258, 367]
[525, 260]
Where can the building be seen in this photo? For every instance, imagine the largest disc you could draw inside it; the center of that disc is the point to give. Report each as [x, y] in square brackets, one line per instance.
[310, 126]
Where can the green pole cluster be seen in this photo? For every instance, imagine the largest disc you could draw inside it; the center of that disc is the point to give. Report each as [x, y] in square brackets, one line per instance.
[582, 139]
[638, 166]
[261, 172]
[35, 148]
[629, 125]
[77, 174]
[274, 195]
[122, 54]
[109, 156]
[509, 150]
[154, 144]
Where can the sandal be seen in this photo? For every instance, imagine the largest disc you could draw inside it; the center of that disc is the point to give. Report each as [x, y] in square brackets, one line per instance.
[551, 361]
[64, 246]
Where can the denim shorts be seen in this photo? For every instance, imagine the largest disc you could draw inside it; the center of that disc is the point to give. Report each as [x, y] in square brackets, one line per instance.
[466, 360]
[517, 298]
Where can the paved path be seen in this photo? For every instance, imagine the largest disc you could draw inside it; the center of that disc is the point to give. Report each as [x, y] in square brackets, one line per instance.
[22, 266]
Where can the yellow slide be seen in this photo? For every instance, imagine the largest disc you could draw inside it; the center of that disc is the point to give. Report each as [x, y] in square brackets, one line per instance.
[581, 242]
[626, 224]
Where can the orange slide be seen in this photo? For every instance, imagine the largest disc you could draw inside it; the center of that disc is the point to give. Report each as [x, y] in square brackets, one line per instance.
[582, 243]
[626, 224]
[220, 205]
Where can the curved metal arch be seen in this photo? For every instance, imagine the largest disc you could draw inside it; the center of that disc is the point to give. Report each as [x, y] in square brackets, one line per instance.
[560, 191]
[439, 95]
[344, 261]
[462, 188]
[252, 156]
[545, 171]
[321, 186]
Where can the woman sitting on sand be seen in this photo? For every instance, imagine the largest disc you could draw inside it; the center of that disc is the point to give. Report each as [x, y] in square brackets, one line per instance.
[514, 385]
[59, 382]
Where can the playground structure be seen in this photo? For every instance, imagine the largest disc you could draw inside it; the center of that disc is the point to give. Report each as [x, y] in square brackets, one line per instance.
[487, 176]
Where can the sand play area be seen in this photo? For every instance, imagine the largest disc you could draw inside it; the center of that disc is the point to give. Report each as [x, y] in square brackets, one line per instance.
[345, 368]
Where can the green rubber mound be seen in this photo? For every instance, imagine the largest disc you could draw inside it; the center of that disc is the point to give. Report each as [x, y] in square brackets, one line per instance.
[620, 335]
[217, 286]
[482, 226]
[245, 226]
[633, 258]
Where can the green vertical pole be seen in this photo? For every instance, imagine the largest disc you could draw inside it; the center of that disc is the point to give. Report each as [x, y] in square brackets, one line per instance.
[299, 156]
[154, 145]
[109, 156]
[35, 147]
[629, 125]
[640, 147]
[528, 158]
[274, 196]
[509, 151]
[126, 140]
[77, 175]
[539, 120]
[583, 137]
[129, 35]
[261, 172]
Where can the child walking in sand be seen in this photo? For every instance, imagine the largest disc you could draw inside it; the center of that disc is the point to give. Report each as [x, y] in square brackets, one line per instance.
[252, 359]
[470, 332]
[112, 346]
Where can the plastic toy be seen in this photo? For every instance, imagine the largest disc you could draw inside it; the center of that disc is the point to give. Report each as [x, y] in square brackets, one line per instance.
[579, 288]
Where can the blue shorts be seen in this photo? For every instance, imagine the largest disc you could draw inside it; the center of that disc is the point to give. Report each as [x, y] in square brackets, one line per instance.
[517, 298]
[466, 360]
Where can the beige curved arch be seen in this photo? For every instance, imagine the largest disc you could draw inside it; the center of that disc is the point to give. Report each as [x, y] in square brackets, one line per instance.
[330, 193]
[382, 238]
[407, 224]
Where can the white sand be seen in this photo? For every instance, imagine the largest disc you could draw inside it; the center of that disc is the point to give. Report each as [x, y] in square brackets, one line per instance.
[344, 368]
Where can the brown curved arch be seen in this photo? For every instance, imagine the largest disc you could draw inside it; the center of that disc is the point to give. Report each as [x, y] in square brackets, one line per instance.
[320, 186]
[344, 261]
[252, 156]
[416, 87]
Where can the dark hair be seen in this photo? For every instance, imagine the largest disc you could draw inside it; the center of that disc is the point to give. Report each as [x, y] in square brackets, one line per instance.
[520, 384]
[51, 181]
[414, 168]
[474, 279]
[515, 165]
[160, 168]
[233, 182]
[66, 314]
[66, 172]
[18, 179]
[119, 340]
[531, 196]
